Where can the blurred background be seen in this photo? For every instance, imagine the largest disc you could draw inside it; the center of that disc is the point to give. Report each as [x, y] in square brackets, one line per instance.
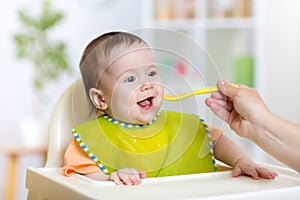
[253, 42]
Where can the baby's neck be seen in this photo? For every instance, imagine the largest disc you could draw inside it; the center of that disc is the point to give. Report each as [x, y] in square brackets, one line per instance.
[129, 124]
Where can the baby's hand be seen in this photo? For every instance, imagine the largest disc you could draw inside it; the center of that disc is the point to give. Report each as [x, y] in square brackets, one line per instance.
[127, 176]
[245, 166]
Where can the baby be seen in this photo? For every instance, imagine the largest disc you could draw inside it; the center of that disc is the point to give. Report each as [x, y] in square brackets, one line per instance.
[132, 137]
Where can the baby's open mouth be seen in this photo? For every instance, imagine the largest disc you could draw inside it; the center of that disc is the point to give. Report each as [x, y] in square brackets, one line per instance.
[146, 103]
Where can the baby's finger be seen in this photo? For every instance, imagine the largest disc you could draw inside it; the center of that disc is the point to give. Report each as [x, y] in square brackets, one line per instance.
[135, 180]
[142, 174]
[236, 172]
[129, 176]
[266, 174]
[126, 179]
[136, 177]
[114, 177]
[253, 173]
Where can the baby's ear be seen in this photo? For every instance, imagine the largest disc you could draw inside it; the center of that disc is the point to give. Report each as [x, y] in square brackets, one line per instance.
[97, 98]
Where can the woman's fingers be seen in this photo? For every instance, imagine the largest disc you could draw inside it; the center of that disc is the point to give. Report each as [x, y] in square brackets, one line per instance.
[219, 107]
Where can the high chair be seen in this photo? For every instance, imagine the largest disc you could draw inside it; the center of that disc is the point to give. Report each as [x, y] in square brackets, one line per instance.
[49, 183]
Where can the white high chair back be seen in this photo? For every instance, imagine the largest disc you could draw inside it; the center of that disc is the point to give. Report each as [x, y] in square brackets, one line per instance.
[71, 108]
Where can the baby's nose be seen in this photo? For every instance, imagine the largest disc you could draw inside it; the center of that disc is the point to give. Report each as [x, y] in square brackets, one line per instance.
[146, 86]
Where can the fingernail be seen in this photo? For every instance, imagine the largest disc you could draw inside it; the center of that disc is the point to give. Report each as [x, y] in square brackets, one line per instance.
[222, 82]
[235, 85]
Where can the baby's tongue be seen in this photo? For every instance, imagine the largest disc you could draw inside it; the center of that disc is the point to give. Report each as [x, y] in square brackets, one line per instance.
[144, 103]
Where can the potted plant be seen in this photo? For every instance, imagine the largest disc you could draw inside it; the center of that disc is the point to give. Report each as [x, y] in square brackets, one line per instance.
[48, 57]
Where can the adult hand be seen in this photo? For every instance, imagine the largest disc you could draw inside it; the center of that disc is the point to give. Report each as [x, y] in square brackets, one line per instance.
[246, 113]
[240, 106]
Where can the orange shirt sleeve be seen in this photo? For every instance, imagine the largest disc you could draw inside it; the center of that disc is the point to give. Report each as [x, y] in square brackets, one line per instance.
[77, 161]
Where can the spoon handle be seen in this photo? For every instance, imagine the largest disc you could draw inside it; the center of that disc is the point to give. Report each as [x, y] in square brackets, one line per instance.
[206, 90]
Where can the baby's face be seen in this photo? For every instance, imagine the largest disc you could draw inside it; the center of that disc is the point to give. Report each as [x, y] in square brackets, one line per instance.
[132, 86]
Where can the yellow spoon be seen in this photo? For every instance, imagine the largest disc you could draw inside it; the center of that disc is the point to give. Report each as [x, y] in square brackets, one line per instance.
[177, 97]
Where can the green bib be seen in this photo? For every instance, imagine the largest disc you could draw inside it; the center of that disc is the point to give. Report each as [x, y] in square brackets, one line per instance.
[173, 144]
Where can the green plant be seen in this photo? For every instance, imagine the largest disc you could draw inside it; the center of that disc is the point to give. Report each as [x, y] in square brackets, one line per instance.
[48, 57]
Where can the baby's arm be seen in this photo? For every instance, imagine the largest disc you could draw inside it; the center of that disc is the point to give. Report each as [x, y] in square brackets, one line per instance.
[78, 162]
[125, 176]
[231, 154]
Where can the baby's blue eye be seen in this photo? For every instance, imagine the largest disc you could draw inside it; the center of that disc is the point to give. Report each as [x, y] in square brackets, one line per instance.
[130, 79]
[153, 73]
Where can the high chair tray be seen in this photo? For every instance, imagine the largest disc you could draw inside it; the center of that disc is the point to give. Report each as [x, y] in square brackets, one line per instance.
[49, 183]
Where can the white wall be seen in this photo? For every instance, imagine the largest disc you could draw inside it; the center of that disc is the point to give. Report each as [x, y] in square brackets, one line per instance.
[281, 46]
[84, 20]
